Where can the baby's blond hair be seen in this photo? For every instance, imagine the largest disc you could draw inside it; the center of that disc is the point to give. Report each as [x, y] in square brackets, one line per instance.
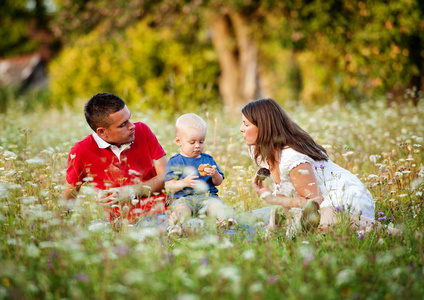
[190, 121]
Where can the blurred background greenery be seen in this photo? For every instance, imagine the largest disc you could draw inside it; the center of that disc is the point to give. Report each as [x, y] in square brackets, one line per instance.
[186, 55]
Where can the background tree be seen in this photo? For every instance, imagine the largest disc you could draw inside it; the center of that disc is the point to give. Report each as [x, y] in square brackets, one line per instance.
[368, 47]
[312, 50]
[24, 28]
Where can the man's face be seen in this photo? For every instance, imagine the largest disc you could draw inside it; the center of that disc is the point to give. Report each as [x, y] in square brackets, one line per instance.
[121, 131]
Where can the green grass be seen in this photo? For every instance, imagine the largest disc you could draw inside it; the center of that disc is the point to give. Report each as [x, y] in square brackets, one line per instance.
[46, 252]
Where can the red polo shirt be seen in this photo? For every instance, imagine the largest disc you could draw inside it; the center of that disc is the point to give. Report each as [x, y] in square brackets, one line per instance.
[103, 168]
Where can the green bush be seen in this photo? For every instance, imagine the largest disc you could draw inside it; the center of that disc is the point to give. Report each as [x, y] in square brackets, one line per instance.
[146, 66]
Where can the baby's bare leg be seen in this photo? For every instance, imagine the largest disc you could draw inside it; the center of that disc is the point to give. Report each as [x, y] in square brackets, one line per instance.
[217, 210]
[180, 214]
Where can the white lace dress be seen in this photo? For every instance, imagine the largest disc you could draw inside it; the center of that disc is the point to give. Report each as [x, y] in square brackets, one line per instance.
[339, 187]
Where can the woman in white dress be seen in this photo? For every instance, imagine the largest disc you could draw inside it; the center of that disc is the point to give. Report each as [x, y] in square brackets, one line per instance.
[303, 174]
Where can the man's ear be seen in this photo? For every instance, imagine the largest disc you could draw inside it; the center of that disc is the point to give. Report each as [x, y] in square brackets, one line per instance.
[101, 132]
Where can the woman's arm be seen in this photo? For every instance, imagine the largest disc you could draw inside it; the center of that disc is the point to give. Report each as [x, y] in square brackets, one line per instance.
[303, 180]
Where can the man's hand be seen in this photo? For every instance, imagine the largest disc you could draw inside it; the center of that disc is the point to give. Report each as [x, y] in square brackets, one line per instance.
[116, 196]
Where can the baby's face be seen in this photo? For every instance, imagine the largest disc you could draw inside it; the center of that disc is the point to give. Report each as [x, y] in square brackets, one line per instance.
[191, 142]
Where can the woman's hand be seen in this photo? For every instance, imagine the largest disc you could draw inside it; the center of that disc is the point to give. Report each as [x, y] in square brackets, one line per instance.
[261, 188]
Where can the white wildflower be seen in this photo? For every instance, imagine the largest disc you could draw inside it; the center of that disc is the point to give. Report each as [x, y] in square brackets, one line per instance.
[248, 254]
[88, 179]
[384, 259]
[9, 155]
[133, 172]
[345, 276]
[32, 251]
[36, 161]
[347, 154]
[48, 151]
[187, 297]
[256, 287]
[231, 273]
[373, 158]
[201, 187]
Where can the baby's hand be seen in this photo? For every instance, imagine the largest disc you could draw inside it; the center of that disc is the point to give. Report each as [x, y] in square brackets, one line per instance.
[190, 180]
[211, 171]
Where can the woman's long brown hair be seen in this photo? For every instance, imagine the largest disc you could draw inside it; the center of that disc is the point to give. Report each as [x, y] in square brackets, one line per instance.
[277, 131]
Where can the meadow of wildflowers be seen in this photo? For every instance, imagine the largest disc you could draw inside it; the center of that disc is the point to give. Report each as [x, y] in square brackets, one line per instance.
[48, 249]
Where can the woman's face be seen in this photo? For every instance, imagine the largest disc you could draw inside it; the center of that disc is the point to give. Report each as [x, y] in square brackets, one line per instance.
[250, 131]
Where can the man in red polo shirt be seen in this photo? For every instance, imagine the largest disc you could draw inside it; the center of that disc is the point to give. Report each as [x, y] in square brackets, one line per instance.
[122, 158]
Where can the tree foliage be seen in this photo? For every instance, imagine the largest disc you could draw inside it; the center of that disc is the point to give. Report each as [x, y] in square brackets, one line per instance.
[147, 66]
[309, 50]
[14, 22]
[369, 47]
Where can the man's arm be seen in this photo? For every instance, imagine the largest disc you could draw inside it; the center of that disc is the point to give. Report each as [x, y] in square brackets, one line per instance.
[157, 183]
[143, 189]
[69, 192]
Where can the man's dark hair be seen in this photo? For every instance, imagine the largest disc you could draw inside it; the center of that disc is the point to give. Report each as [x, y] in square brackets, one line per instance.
[99, 107]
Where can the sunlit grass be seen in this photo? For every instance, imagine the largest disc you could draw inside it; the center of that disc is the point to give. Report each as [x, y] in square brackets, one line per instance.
[47, 250]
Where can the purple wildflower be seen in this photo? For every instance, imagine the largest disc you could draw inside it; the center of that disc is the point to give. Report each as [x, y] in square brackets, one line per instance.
[204, 261]
[382, 218]
[390, 219]
[361, 236]
[316, 167]
[32, 226]
[50, 264]
[338, 208]
[122, 250]
[322, 167]
[81, 277]
[380, 213]
[361, 212]
[272, 279]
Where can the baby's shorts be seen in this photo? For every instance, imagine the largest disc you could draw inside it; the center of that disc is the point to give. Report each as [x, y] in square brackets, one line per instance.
[198, 204]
